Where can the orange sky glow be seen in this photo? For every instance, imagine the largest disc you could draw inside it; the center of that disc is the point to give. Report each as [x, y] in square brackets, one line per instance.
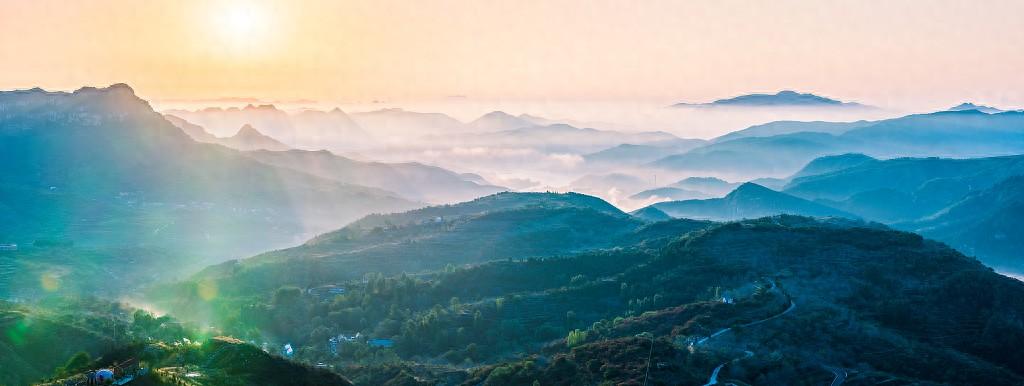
[887, 53]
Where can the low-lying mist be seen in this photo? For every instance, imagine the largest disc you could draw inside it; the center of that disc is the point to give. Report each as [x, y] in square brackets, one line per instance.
[528, 146]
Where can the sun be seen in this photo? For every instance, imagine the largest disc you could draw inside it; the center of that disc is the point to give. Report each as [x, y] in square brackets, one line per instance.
[242, 20]
[242, 25]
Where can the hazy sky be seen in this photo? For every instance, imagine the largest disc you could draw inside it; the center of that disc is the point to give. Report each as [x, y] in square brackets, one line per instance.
[888, 53]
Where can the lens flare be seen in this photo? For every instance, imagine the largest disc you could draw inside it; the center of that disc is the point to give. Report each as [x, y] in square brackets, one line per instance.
[49, 281]
[207, 289]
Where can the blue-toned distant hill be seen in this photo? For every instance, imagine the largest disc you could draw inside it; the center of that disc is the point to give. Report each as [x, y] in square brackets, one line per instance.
[955, 134]
[712, 186]
[784, 98]
[970, 203]
[789, 127]
[958, 134]
[971, 106]
[747, 201]
[937, 180]
[650, 213]
[412, 180]
[670, 193]
[630, 154]
[775, 155]
[708, 187]
[987, 223]
[831, 163]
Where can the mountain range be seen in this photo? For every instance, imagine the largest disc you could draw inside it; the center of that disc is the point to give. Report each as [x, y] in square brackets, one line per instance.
[984, 223]
[971, 106]
[789, 127]
[966, 202]
[101, 169]
[632, 154]
[307, 129]
[956, 134]
[324, 269]
[411, 180]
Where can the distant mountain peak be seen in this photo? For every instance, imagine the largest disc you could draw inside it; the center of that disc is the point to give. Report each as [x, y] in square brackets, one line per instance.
[248, 138]
[650, 213]
[966, 106]
[780, 99]
[115, 90]
[748, 200]
[703, 180]
[498, 121]
[260, 107]
[748, 189]
[498, 114]
[120, 88]
[248, 131]
[832, 163]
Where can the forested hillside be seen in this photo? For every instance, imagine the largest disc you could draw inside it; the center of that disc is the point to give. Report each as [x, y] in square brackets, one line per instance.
[782, 287]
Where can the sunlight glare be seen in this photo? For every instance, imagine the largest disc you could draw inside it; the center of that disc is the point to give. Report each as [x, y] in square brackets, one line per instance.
[241, 25]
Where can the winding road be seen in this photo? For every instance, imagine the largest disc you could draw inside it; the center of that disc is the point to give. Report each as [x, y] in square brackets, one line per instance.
[713, 380]
[714, 375]
[792, 305]
[840, 375]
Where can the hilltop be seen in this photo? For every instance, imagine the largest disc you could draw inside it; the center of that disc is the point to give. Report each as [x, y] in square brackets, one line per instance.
[785, 98]
[749, 200]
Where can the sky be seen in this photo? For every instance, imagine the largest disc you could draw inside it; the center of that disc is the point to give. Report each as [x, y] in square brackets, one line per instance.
[887, 53]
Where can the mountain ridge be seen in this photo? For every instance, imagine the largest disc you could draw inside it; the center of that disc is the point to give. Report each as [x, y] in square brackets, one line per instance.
[747, 201]
[784, 98]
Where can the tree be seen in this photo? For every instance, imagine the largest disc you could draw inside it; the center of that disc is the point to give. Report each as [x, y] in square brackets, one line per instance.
[77, 363]
[577, 280]
[576, 337]
[286, 296]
